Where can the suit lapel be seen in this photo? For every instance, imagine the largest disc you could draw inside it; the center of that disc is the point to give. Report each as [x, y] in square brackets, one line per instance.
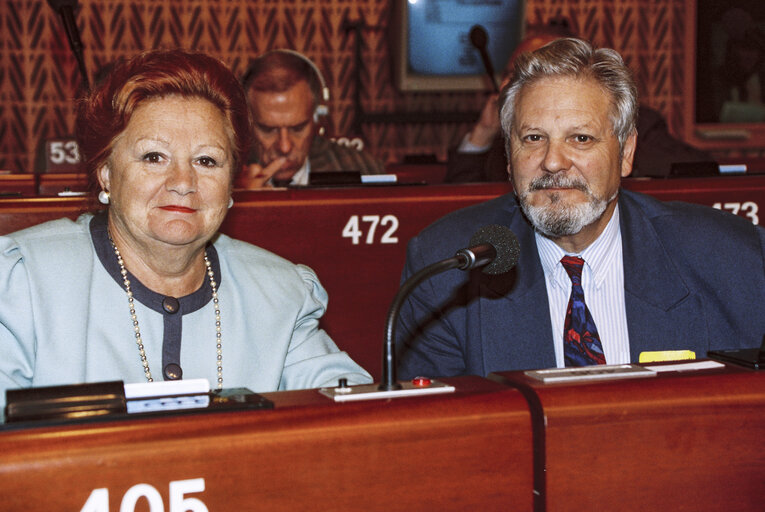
[514, 321]
[660, 309]
[513, 309]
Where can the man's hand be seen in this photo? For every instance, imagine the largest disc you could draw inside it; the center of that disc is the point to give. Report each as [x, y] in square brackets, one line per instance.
[255, 176]
[487, 127]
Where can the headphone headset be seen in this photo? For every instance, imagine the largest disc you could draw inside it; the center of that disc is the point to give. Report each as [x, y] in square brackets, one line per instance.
[322, 109]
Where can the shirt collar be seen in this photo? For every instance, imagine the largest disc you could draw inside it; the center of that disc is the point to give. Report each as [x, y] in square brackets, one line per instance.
[596, 256]
[302, 177]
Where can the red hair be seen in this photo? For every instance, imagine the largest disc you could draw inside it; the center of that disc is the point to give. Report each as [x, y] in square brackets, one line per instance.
[104, 113]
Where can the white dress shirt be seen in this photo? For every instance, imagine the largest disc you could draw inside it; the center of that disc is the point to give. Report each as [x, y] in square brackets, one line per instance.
[302, 177]
[603, 285]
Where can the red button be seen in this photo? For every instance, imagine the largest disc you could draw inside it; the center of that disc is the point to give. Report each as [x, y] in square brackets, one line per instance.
[421, 382]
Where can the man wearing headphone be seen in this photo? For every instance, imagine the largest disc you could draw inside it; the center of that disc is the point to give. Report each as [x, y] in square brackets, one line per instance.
[287, 95]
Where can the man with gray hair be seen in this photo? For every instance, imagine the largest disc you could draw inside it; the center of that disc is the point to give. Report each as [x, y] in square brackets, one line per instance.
[288, 98]
[604, 274]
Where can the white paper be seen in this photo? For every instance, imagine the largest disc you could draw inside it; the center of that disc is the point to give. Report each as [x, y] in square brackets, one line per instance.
[167, 395]
[166, 388]
[689, 366]
[378, 178]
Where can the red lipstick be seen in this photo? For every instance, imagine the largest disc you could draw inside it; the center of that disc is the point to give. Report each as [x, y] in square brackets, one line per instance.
[177, 208]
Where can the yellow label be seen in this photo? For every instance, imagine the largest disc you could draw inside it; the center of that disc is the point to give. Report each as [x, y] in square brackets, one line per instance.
[666, 355]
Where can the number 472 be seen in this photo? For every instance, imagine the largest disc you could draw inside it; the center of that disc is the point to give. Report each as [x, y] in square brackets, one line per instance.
[354, 230]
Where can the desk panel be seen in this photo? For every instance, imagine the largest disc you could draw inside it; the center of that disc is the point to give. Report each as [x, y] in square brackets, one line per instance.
[355, 238]
[678, 441]
[17, 185]
[55, 183]
[740, 195]
[470, 450]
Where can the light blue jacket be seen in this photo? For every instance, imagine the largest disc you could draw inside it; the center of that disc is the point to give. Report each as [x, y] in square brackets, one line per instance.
[64, 319]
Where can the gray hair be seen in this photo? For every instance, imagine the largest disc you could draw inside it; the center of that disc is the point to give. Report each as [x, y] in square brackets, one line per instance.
[570, 57]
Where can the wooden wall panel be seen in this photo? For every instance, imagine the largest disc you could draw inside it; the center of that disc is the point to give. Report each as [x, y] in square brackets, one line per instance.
[39, 78]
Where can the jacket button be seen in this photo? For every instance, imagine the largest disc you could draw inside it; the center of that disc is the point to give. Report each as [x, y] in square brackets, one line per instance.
[173, 372]
[171, 305]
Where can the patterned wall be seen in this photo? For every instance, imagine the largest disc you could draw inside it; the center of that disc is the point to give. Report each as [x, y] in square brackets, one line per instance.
[39, 77]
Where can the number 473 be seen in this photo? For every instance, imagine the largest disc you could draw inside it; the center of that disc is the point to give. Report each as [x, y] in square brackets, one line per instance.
[354, 230]
[746, 209]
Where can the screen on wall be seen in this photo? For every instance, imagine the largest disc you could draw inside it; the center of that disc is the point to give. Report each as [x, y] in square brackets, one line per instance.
[434, 50]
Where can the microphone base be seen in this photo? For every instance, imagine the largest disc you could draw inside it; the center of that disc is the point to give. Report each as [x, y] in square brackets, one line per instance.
[389, 387]
[373, 392]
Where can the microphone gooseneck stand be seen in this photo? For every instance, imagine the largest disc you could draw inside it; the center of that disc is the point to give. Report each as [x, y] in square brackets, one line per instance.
[66, 9]
[465, 259]
[494, 247]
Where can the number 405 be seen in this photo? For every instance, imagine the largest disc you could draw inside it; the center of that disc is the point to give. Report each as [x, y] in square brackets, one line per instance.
[98, 501]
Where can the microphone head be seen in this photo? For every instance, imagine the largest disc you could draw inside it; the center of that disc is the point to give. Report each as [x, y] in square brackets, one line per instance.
[478, 37]
[504, 242]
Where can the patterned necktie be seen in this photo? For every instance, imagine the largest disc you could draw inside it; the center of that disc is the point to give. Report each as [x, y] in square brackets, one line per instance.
[581, 343]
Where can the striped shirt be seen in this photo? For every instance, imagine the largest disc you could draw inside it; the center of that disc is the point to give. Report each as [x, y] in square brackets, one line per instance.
[603, 285]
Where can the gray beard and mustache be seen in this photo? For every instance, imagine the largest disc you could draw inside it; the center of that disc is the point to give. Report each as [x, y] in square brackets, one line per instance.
[558, 218]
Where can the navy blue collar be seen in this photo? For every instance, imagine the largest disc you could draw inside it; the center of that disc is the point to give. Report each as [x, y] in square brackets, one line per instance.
[147, 297]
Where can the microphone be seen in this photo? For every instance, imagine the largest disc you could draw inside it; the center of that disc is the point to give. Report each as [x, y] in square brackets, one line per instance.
[479, 38]
[65, 8]
[493, 247]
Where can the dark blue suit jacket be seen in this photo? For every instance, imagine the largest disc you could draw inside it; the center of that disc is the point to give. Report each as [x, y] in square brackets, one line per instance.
[694, 279]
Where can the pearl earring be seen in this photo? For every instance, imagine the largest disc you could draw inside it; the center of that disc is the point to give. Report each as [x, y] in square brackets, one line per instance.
[103, 197]
[230, 202]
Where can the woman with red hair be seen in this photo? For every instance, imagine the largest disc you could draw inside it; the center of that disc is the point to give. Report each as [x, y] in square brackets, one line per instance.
[147, 289]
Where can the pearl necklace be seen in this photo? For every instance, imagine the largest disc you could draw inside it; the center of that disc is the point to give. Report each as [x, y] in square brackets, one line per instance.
[136, 328]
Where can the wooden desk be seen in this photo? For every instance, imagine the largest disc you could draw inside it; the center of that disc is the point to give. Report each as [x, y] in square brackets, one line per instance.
[53, 183]
[18, 184]
[470, 450]
[355, 238]
[32, 185]
[677, 441]
[20, 213]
